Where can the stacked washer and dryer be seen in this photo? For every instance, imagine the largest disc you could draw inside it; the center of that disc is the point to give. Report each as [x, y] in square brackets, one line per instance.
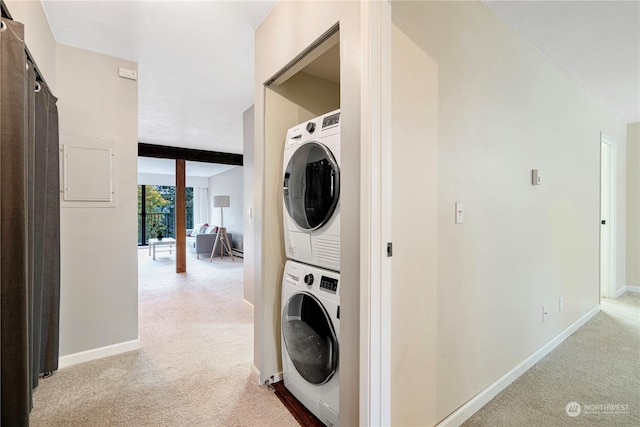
[311, 282]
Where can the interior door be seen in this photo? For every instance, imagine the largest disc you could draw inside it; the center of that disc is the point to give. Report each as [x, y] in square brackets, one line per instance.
[311, 186]
[310, 338]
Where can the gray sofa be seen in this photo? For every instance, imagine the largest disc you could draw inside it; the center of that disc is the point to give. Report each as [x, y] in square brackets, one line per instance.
[202, 243]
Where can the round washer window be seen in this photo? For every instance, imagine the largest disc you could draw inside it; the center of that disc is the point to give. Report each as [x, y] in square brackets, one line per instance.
[309, 338]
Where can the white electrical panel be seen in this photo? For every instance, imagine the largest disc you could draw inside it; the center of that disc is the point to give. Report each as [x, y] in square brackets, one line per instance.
[87, 174]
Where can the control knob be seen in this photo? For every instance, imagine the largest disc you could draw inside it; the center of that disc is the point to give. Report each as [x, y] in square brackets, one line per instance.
[311, 127]
[308, 279]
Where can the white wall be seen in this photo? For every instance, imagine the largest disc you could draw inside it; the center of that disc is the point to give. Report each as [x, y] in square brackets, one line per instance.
[502, 110]
[99, 295]
[249, 195]
[621, 210]
[229, 183]
[633, 205]
[414, 263]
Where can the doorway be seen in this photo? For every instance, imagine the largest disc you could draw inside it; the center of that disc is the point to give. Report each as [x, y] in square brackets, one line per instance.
[607, 217]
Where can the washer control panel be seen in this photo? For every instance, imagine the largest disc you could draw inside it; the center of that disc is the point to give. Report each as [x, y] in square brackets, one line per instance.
[329, 284]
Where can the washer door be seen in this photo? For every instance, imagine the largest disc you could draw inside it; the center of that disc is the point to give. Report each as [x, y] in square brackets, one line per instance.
[309, 338]
[311, 186]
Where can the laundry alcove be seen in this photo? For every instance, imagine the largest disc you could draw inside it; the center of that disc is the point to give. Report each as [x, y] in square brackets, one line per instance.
[311, 91]
[283, 40]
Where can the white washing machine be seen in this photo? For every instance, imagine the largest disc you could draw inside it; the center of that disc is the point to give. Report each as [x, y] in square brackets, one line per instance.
[310, 330]
[311, 192]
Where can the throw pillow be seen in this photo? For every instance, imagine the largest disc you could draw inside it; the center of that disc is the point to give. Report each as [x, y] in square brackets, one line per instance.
[199, 229]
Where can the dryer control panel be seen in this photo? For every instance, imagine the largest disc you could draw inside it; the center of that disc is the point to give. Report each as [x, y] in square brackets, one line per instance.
[331, 120]
[329, 284]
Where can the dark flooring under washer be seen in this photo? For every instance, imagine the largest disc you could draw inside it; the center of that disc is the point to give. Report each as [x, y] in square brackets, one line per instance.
[297, 409]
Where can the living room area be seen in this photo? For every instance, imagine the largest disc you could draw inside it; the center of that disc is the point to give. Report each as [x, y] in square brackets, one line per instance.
[214, 209]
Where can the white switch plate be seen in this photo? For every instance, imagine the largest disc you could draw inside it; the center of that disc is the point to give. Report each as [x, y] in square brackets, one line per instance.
[459, 212]
[545, 313]
[127, 73]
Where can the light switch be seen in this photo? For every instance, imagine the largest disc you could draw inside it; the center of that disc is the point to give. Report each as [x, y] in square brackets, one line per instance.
[459, 212]
[536, 179]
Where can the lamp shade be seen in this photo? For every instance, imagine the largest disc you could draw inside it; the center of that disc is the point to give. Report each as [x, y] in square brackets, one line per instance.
[221, 201]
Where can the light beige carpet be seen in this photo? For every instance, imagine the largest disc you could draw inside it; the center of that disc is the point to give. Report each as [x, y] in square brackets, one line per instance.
[194, 367]
[598, 368]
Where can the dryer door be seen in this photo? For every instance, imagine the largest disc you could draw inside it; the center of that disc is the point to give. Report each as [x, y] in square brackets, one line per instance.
[311, 186]
[309, 338]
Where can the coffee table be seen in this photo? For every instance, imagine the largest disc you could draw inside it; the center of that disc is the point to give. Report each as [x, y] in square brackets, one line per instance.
[166, 241]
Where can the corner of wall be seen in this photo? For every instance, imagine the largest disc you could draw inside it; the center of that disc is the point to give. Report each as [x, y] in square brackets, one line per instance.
[633, 205]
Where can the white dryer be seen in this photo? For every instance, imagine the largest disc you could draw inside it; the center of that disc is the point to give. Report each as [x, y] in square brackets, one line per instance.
[311, 192]
[310, 330]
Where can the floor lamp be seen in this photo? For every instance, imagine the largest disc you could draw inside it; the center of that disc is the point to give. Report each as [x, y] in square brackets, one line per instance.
[221, 236]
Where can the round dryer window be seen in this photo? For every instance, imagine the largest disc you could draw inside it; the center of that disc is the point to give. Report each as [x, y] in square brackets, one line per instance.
[311, 186]
[309, 338]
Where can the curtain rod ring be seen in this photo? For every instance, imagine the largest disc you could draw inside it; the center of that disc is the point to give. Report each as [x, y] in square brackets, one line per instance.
[38, 87]
[3, 26]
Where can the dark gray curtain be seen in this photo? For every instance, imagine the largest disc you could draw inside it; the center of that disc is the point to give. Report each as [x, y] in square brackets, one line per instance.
[29, 228]
[15, 380]
[48, 200]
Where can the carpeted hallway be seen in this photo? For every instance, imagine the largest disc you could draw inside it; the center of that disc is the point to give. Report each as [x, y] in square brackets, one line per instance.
[194, 365]
[598, 367]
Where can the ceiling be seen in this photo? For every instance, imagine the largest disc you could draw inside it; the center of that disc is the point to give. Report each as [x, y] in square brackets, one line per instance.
[195, 62]
[196, 58]
[596, 42]
[327, 65]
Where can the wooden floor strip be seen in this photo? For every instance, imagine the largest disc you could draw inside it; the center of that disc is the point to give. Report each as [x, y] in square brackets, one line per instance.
[297, 409]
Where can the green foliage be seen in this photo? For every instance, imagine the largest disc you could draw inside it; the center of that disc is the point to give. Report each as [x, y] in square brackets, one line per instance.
[160, 211]
[154, 200]
[157, 228]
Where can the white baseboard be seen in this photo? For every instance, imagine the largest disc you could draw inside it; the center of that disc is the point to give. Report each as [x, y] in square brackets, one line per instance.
[255, 374]
[247, 303]
[98, 353]
[463, 413]
[620, 292]
[630, 288]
